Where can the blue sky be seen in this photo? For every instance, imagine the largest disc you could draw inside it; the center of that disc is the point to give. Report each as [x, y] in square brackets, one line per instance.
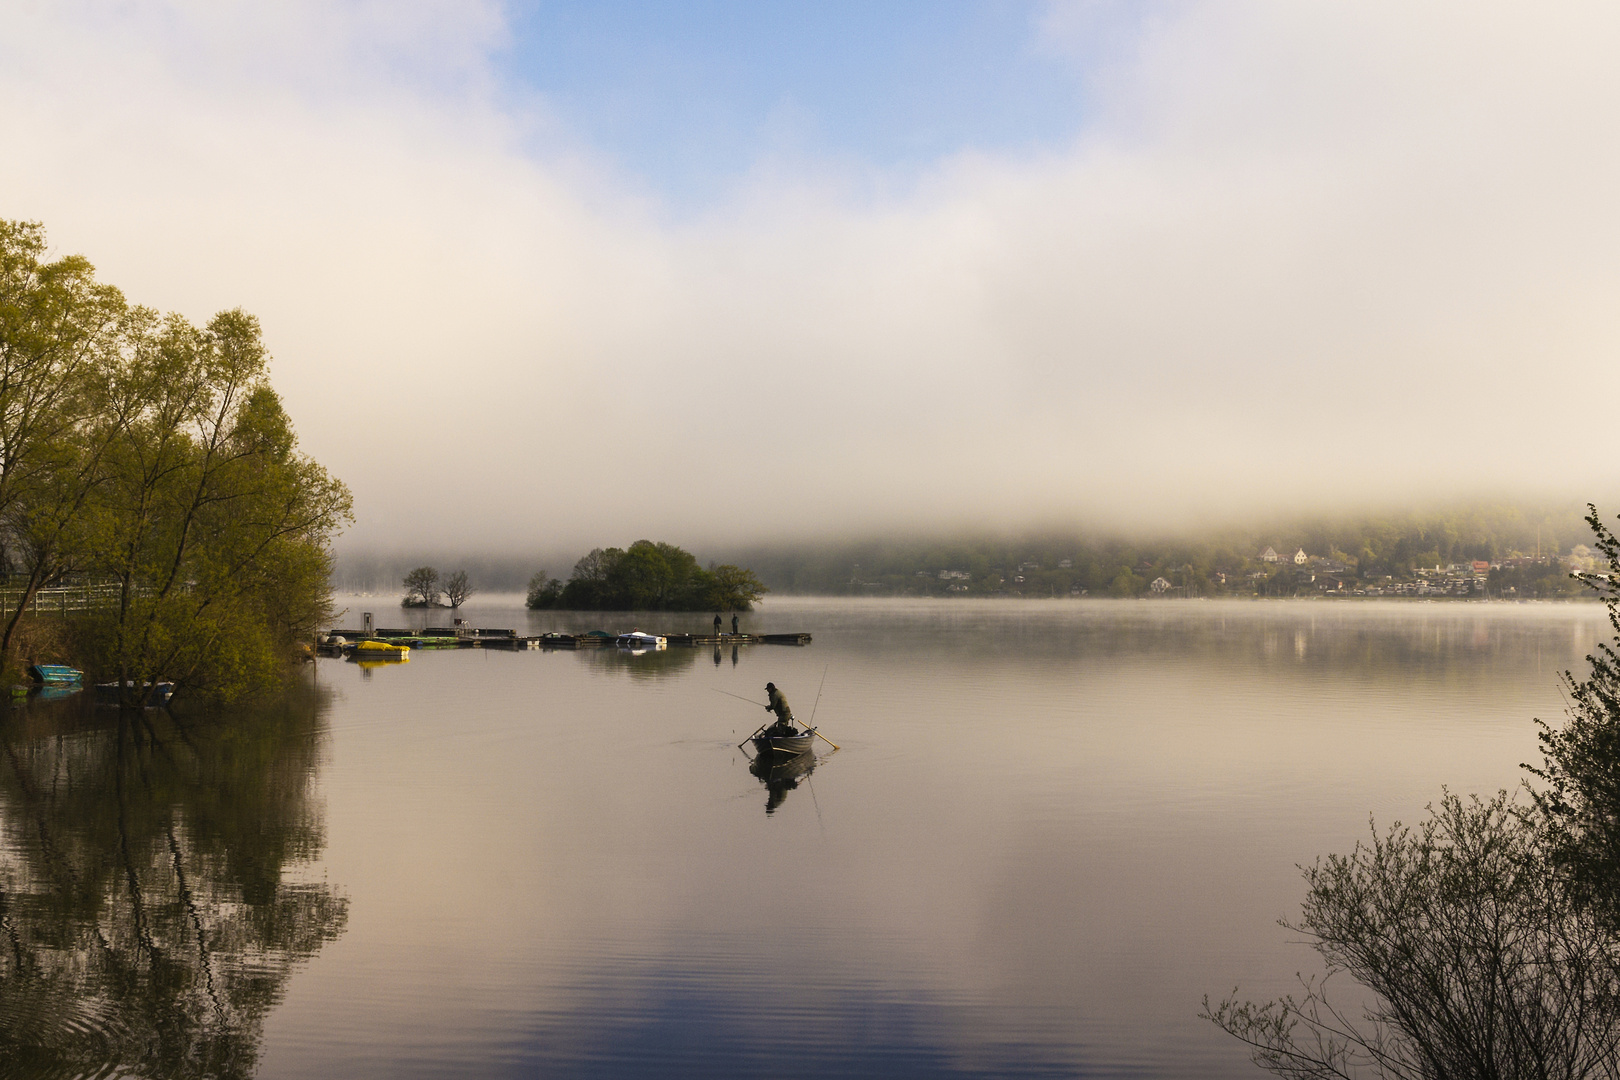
[685, 98]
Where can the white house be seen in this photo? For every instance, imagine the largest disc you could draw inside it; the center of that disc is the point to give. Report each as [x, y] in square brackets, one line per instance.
[1269, 555]
[1159, 585]
[1300, 558]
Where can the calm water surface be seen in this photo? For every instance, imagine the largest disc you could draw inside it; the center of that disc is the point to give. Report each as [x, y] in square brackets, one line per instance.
[1051, 828]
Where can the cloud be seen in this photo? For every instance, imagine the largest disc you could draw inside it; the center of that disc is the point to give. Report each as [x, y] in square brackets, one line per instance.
[1298, 255]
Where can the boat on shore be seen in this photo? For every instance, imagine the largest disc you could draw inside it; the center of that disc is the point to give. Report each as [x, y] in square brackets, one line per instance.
[54, 674]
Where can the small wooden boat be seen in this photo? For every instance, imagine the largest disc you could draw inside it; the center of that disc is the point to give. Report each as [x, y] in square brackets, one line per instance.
[785, 745]
[156, 695]
[55, 674]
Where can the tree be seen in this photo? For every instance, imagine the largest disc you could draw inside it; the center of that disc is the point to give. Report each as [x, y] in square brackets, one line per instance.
[1581, 761]
[150, 453]
[422, 587]
[544, 592]
[214, 528]
[647, 576]
[1490, 936]
[456, 589]
[60, 332]
[731, 588]
[1481, 963]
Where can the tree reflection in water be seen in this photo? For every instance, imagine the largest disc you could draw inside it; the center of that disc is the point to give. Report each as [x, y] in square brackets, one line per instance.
[150, 902]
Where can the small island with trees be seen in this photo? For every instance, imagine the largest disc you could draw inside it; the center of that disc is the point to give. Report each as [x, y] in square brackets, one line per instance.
[423, 587]
[646, 576]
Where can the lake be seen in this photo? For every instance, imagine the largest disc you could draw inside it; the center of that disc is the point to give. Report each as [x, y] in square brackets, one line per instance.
[1050, 829]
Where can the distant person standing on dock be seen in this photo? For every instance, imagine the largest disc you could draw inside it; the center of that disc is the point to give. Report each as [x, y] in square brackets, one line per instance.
[717, 630]
[734, 624]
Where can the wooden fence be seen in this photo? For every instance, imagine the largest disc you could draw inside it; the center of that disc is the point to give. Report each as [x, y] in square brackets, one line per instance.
[62, 599]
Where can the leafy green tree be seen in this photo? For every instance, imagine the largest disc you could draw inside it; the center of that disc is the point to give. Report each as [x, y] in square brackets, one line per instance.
[543, 592]
[647, 576]
[214, 528]
[60, 332]
[732, 588]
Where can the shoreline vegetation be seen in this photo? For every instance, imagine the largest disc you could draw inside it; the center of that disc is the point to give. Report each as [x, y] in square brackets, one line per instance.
[1486, 938]
[646, 576]
[149, 460]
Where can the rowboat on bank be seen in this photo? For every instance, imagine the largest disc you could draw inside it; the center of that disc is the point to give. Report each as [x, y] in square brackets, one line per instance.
[54, 674]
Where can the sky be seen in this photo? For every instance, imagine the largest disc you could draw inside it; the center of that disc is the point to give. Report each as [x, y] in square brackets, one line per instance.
[558, 274]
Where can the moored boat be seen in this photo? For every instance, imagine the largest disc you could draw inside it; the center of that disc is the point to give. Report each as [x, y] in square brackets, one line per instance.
[54, 674]
[377, 650]
[636, 639]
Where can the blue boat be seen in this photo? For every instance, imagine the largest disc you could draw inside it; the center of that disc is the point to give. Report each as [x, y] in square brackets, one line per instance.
[54, 674]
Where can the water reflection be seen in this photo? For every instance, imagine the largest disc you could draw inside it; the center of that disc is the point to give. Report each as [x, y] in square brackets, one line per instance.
[643, 663]
[369, 664]
[149, 888]
[781, 776]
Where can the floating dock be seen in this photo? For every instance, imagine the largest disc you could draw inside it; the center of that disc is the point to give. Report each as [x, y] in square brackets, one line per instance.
[467, 637]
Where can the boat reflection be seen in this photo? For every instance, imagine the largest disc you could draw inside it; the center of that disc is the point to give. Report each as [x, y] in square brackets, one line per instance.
[642, 663]
[370, 662]
[781, 775]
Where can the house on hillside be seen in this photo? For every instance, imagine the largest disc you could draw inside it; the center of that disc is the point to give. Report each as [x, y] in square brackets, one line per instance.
[1160, 586]
[1300, 558]
[1270, 555]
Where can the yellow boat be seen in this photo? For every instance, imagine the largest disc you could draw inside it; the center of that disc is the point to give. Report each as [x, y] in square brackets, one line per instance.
[378, 650]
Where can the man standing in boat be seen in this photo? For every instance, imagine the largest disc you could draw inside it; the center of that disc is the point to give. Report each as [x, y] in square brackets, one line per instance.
[784, 713]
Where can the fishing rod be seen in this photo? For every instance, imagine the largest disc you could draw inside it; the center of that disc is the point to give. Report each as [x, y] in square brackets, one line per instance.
[816, 706]
[739, 697]
[750, 701]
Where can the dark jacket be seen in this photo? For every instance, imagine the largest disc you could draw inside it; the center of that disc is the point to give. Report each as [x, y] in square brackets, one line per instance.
[779, 706]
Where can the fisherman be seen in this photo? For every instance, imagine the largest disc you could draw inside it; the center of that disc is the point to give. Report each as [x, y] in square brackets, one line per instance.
[734, 624]
[784, 713]
[717, 630]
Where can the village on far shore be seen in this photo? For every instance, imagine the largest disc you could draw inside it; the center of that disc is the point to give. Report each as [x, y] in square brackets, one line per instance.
[1269, 573]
